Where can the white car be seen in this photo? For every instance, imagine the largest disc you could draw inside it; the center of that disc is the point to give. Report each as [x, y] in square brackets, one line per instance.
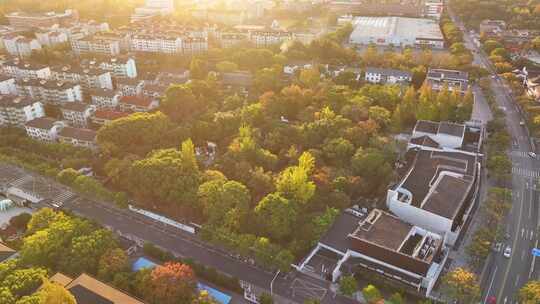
[507, 252]
[497, 247]
[532, 155]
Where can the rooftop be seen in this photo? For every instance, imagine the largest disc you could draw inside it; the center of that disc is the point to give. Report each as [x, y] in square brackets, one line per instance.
[109, 115]
[383, 229]
[80, 134]
[41, 123]
[88, 290]
[390, 27]
[448, 74]
[443, 127]
[388, 72]
[431, 171]
[11, 101]
[75, 106]
[5, 252]
[136, 101]
[48, 84]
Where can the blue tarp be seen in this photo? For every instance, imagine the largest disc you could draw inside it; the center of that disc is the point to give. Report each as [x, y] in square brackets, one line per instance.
[142, 263]
[222, 298]
[216, 294]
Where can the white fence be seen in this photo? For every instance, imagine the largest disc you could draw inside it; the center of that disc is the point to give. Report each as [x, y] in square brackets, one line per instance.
[163, 219]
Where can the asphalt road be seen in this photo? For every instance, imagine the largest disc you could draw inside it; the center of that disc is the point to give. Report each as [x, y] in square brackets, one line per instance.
[505, 276]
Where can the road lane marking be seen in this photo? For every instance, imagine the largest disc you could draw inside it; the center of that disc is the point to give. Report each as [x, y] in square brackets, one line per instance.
[517, 280]
[513, 249]
[491, 284]
[522, 232]
[523, 255]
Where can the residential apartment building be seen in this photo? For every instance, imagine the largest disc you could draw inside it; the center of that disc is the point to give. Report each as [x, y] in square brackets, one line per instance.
[44, 129]
[104, 99]
[25, 69]
[120, 67]
[50, 91]
[88, 78]
[167, 44]
[454, 80]
[266, 38]
[77, 114]
[387, 76]
[84, 138]
[532, 82]
[17, 111]
[129, 86]
[433, 9]
[26, 20]
[95, 45]
[51, 37]
[137, 104]
[232, 38]
[380, 244]
[7, 85]
[102, 117]
[17, 45]
[492, 27]
[194, 45]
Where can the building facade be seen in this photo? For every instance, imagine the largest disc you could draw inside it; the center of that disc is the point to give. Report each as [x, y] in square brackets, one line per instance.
[17, 111]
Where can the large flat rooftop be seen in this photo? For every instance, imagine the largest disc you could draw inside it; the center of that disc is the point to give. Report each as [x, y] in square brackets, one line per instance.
[390, 27]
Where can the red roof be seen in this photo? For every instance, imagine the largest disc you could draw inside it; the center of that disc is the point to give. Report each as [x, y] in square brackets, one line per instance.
[109, 115]
[136, 101]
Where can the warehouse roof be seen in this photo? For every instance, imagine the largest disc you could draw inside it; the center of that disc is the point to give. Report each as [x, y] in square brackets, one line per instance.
[388, 27]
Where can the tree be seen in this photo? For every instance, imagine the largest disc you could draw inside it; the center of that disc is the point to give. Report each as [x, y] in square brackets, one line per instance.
[277, 214]
[268, 79]
[397, 298]
[43, 219]
[265, 298]
[204, 298]
[86, 251]
[461, 285]
[20, 221]
[53, 293]
[141, 133]
[67, 176]
[338, 151]
[310, 77]
[226, 66]
[348, 285]
[372, 165]
[198, 69]
[112, 262]
[170, 176]
[180, 103]
[294, 182]
[372, 294]
[171, 283]
[224, 203]
[22, 282]
[380, 115]
[530, 293]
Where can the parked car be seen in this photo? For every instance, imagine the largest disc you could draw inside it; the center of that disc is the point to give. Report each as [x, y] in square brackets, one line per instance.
[497, 247]
[532, 155]
[507, 252]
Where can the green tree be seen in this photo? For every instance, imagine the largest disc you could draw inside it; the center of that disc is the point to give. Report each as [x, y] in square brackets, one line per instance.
[277, 214]
[380, 115]
[86, 251]
[461, 285]
[372, 294]
[265, 298]
[372, 165]
[226, 66]
[530, 293]
[22, 282]
[198, 69]
[112, 262]
[43, 219]
[338, 151]
[170, 176]
[67, 176]
[180, 103]
[348, 285]
[397, 298]
[310, 77]
[53, 293]
[294, 182]
[224, 202]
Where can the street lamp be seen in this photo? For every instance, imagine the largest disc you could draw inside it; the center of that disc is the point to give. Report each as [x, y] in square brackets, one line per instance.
[272, 283]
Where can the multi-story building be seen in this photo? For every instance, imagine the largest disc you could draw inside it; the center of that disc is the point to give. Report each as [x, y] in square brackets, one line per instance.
[433, 8]
[454, 80]
[84, 138]
[51, 37]
[89, 78]
[44, 129]
[77, 114]
[7, 85]
[266, 38]
[231, 38]
[380, 244]
[167, 44]
[102, 117]
[49, 91]
[129, 86]
[532, 83]
[492, 27]
[95, 45]
[194, 45]
[438, 191]
[120, 67]
[26, 69]
[104, 99]
[18, 45]
[153, 8]
[137, 104]
[16, 110]
[387, 76]
[29, 20]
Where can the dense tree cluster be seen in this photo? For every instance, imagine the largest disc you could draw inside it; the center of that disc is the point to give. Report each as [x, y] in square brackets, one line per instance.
[518, 13]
